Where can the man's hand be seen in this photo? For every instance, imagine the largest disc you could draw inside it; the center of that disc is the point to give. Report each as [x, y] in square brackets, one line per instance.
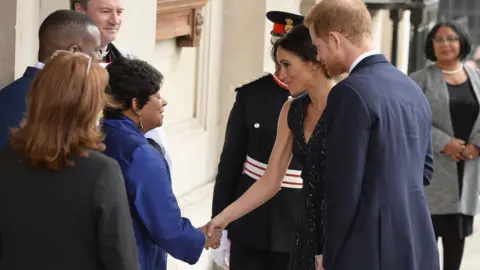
[470, 152]
[454, 149]
[213, 241]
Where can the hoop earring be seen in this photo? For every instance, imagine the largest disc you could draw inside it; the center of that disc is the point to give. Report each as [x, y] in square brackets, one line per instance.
[141, 125]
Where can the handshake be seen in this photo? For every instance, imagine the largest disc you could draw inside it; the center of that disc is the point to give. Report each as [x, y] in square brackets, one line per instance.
[213, 236]
[213, 231]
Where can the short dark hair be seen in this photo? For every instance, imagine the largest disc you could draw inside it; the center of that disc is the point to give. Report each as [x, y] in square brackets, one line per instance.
[131, 79]
[83, 3]
[463, 37]
[60, 27]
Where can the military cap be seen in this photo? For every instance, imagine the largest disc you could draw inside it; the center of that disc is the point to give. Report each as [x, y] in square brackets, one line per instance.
[283, 22]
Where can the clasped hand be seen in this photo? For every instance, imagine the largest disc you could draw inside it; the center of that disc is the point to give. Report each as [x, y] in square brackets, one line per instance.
[213, 231]
[213, 240]
[458, 150]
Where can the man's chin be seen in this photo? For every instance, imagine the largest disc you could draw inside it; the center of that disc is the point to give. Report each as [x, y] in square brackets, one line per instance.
[108, 38]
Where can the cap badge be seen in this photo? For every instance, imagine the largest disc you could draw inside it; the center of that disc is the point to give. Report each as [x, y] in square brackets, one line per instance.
[288, 25]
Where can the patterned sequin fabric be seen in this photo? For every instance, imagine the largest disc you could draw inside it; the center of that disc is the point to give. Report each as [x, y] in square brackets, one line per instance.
[309, 236]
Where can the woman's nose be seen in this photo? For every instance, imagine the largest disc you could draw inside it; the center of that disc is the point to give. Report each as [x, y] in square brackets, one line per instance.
[282, 74]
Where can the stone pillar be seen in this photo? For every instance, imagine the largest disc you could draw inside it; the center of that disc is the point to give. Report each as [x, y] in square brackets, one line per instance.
[242, 55]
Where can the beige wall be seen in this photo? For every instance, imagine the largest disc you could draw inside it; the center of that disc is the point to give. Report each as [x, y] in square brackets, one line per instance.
[7, 29]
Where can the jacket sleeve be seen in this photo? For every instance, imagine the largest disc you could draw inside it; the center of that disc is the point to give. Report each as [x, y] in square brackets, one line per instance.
[428, 166]
[344, 176]
[116, 239]
[439, 137]
[475, 138]
[232, 158]
[149, 186]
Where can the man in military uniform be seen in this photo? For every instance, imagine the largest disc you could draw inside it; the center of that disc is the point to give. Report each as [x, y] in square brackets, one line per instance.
[263, 238]
[108, 15]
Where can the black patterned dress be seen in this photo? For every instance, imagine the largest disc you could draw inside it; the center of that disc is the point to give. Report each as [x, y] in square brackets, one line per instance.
[309, 236]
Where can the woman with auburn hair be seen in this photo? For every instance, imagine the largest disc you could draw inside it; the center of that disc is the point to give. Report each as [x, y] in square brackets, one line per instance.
[63, 204]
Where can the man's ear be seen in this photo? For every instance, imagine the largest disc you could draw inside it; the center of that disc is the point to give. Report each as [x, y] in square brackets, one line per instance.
[79, 8]
[335, 37]
[74, 49]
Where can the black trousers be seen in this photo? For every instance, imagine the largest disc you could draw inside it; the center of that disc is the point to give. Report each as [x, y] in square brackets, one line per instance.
[452, 229]
[246, 258]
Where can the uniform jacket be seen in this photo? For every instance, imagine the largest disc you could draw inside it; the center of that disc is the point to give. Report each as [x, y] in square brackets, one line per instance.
[249, 139]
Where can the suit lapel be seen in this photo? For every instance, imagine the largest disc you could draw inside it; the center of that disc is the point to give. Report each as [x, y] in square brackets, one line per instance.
[437, 93]
[475, 83]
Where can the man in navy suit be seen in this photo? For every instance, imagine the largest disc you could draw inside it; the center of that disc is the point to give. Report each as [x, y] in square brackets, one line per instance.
[61, 30]
[379, 151]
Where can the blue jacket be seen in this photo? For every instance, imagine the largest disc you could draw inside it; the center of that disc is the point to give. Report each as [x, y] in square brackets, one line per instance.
[13, 104]
[158, 224]
[379, 159]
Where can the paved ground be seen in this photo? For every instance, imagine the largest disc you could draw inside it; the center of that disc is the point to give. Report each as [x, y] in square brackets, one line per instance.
[198, 208]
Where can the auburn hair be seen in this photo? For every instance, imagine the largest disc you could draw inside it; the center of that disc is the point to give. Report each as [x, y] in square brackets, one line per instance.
[64, 105]
[351, 18]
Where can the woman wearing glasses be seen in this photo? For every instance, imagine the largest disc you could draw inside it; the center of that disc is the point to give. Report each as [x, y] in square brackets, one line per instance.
[63, 204]
[453, 90]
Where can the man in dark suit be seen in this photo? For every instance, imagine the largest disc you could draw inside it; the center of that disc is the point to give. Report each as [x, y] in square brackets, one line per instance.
[263, 238]
[61, 30]
[379, 150]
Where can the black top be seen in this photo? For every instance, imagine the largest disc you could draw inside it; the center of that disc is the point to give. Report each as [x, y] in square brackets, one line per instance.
[309, 237]
[74, 218]
[464, 112]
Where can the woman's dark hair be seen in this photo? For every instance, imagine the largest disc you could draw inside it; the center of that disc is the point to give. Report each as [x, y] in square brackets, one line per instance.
[298, 42]
[131, 79]
[463, 37]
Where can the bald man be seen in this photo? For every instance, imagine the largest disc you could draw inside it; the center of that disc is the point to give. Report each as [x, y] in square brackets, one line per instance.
[61, 30]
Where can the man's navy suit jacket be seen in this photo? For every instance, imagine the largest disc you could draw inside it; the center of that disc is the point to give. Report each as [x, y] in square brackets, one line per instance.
[379, 159]
[13, 104]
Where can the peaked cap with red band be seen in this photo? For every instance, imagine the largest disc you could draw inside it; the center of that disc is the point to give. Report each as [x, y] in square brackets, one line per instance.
[283, 22]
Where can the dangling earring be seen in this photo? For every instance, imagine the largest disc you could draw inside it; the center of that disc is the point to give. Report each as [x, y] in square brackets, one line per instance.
[141, 125]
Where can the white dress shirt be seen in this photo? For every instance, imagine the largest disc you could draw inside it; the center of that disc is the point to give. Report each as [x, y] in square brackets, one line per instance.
[360, 58]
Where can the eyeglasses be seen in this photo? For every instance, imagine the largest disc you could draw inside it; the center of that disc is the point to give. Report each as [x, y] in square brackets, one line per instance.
[59, 52]
[446, 40]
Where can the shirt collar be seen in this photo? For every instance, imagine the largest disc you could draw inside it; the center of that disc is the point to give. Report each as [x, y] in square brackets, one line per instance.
[360, 58]
[39, 65]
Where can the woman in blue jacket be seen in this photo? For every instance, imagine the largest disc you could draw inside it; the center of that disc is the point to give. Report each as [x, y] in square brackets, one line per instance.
[159, 227]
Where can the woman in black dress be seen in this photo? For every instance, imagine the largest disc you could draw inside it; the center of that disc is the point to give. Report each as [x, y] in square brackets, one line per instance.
[301, 132]
[452, 90]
